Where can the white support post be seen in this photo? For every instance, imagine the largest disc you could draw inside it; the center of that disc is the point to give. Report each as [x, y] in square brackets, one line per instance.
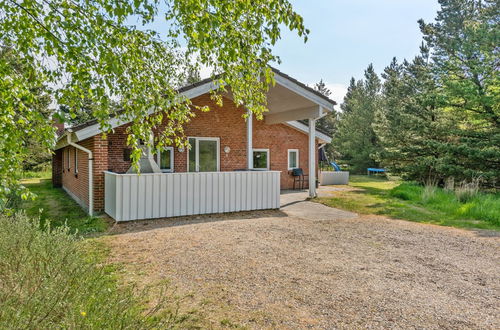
[312, 157]
[249, 140]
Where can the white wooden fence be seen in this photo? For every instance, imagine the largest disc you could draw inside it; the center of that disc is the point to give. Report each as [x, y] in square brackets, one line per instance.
[333, 178]
[160, 195]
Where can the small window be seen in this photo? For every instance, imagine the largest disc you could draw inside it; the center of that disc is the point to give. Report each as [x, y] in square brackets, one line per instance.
[76, 161]
[62, 159]
[69, 158]
[126, 154]
[293, 159]
[165, 159]
[261, 159]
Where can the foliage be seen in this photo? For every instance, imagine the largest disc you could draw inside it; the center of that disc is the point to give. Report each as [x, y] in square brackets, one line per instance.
[54, 205]
[437, 118]
[49, 279]
[414, 202]
[355, 138]
[86, 52]
[328, 123]
[22, 144]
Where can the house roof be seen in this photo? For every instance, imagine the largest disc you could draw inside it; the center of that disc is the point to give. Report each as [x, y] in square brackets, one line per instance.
[91, 128]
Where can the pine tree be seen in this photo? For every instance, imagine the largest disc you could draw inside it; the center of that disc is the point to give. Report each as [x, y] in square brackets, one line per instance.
[355, 139]
[328, 123]
[440, 113]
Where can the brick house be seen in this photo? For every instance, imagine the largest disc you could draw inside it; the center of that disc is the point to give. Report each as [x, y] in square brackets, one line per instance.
[223, 147]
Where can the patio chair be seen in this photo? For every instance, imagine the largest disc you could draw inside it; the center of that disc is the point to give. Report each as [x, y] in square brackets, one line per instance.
[300, 177]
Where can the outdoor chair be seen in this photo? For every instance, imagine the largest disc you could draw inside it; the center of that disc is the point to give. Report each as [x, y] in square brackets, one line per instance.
[299, 177]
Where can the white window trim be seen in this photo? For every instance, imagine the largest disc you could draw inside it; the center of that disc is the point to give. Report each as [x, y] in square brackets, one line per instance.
[288, 161]
[158, 155]
[76, 161]
[69, 158]
[200, 138]
[268, 159]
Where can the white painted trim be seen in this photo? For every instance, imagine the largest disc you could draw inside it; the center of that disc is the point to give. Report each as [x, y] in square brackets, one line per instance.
[249, 139]
[285, 82]
[305, 129]
[268, 160]
[76, 161]
[158, 160]
[312, 158]
[203, 138]
[288, 159]
[191, 93]
[68, 152]
[298, 114]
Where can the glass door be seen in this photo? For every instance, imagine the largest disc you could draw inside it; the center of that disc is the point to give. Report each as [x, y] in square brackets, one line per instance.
[203, 155]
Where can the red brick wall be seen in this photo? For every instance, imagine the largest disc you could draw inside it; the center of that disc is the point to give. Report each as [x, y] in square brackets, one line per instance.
[100, 153]
[76, 184]
[225, 122]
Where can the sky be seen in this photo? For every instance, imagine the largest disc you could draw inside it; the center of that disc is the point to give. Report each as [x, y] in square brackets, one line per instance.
[347, 35]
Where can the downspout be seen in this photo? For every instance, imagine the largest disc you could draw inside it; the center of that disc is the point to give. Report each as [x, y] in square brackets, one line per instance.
[90, 170]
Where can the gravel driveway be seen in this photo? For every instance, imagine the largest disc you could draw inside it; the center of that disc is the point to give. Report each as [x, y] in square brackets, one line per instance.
[310, 267]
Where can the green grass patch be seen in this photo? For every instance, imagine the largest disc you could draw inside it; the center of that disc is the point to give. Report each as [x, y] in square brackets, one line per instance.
[54, 205]
[409, 201]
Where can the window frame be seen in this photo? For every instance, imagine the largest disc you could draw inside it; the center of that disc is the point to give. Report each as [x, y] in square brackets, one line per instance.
[76, 161]
[68, 152]
[297, 160]
[268, 160]
[202, 138]
[158, 159]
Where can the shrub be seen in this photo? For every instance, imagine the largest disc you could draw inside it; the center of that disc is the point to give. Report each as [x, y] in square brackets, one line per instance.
[48, 279]
[467, 190]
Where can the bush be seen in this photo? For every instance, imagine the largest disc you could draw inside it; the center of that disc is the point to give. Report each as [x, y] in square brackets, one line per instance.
[48, 279]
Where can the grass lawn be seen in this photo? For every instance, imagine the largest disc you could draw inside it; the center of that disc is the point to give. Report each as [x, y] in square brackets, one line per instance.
[55, 205]
[403, 200]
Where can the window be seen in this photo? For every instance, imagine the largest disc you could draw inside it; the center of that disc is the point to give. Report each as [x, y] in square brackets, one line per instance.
[69, 158]
[261, 159]
[76, 161]
[293, 158]
[165, 159]
[126, 154]
[203, 155]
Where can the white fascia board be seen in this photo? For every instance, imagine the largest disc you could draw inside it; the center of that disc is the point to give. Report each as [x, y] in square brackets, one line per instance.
[303, 92]
[305, 113]
[303, 128]
[203, 89]
[92, 130]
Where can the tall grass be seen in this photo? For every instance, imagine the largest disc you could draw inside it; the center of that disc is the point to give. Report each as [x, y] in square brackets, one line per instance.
[464, 202]
[48, 279]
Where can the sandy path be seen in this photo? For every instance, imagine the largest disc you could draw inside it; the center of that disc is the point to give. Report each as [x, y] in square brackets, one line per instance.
[275, 269]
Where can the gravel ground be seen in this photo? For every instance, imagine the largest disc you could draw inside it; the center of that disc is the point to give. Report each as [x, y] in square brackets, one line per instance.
[289, 269]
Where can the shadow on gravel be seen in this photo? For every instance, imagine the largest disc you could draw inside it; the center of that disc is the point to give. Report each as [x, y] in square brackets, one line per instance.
[150, 224]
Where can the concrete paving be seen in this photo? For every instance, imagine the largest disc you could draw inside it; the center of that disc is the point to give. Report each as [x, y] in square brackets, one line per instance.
[295, 203]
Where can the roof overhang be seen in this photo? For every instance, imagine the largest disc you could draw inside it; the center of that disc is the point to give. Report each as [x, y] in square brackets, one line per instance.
[287, 101]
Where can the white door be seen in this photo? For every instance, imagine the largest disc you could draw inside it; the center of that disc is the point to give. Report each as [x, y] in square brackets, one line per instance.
[203, 155]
